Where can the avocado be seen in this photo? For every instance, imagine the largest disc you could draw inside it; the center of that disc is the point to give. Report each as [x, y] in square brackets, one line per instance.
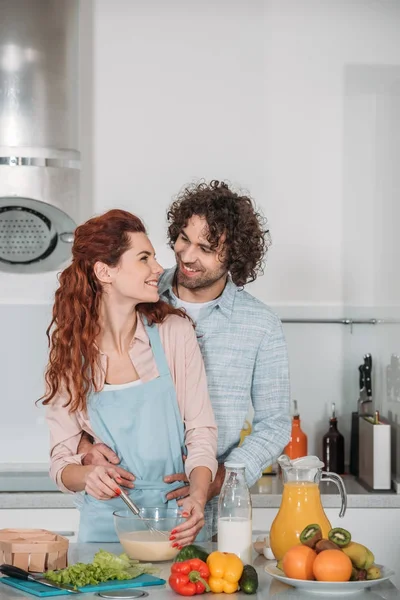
[191, 551]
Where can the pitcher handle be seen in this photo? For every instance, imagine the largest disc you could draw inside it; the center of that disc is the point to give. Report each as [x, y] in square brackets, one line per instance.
[338, 481]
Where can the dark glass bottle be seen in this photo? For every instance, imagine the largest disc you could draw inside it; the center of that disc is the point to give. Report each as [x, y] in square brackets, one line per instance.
[333, 447]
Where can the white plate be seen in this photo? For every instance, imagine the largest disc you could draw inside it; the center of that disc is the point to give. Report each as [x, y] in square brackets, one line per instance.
[325, 587]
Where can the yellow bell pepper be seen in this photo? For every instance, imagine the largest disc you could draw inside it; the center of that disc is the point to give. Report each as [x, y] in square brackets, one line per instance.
[225, 571]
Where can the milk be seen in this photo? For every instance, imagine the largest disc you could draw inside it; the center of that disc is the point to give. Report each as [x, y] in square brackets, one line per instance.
[147, 546]
[234, 535]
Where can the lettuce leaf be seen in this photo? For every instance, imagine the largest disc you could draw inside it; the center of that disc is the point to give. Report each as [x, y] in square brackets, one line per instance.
[106, 566]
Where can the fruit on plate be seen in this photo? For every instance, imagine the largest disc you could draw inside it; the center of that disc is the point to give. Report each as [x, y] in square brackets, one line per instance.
[374, 572]
[298, 562]
[340, 537]
[358, 574]
[332, 565]
[311, 535]
[325, 545]
[335, 559]
[360, 555]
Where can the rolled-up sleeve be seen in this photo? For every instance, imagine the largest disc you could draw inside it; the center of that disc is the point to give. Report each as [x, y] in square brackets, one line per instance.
[65, 435]
[200, 425]
[270, 395]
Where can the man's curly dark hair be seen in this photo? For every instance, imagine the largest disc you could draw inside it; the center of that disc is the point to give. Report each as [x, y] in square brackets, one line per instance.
[247, 237]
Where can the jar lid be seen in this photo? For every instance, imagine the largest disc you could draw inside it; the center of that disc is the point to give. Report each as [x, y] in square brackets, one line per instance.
[234, 465]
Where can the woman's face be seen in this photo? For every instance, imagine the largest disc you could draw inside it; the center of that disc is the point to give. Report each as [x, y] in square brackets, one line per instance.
[136, 276]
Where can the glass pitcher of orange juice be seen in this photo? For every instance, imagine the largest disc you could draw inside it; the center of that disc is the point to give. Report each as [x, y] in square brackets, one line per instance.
[301, 501]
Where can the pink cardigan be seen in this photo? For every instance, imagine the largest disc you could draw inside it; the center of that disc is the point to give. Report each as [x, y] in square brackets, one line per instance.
[187, 370]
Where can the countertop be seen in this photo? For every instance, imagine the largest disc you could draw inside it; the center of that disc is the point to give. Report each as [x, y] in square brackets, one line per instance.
[268, 587]
[26, 489]
[267, 492]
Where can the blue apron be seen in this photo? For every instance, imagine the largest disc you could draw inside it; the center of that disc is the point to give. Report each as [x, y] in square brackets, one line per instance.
[144, 427]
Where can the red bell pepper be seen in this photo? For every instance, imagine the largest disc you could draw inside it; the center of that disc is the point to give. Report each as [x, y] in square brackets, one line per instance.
[189, 577]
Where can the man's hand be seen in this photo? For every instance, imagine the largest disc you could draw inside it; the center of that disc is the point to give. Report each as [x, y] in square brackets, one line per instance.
[184, 491]
[216, 485]
[102, 455]
[181, 492]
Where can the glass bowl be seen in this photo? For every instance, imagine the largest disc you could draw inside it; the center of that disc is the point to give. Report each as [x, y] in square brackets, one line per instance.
[140, 543]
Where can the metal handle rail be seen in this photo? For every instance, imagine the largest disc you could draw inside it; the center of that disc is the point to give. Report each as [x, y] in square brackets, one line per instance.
[345, 321]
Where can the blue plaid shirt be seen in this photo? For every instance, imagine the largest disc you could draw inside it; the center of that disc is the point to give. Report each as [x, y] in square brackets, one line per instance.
[245, 356]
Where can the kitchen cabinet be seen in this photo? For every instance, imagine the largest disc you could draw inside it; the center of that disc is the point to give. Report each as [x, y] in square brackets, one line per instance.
[64, 521]
[374, 527]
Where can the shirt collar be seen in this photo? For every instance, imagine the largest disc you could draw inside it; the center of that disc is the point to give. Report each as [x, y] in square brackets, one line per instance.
[140, 333]
[166, 281]
[225, 300]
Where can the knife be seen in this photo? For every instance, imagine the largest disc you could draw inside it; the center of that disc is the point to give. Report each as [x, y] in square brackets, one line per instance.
[18, 573]
[362, 399]
[368, 375]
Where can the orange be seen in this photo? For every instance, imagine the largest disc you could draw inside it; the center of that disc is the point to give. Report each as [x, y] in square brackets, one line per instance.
[332, 565]
[298, 562]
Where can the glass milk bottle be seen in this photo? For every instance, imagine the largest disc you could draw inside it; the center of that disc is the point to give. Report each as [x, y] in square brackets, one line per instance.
[235, 514]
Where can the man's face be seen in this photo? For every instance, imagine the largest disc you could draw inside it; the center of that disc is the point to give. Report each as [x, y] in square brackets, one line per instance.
[198, 266]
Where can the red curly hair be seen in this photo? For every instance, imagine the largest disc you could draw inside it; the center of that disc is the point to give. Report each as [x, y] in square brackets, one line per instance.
[74, 357]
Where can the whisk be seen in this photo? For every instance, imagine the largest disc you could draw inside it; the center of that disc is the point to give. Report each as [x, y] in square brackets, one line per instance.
[136, 511]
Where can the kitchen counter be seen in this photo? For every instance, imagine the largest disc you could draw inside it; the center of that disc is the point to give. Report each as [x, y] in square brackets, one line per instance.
[266, 493]
[22, 490]
[268, 587]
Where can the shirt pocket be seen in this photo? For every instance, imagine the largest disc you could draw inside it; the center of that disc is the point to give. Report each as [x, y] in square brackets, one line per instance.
[223, 352]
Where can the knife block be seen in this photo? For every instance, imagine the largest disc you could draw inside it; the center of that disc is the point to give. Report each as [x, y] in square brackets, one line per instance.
[35, 550]
[375, 454]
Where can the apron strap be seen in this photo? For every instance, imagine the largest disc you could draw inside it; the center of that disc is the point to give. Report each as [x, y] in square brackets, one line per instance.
[156, 346]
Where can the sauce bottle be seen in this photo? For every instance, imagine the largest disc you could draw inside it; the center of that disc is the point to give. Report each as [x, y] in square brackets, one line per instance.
[333, 446]
[297, 446]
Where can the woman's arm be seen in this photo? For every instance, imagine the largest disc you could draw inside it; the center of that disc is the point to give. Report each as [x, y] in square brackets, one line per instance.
[65, 434]
[100, 482]
[200, 479]
[74, 477]
[194, 400]
[65, 464]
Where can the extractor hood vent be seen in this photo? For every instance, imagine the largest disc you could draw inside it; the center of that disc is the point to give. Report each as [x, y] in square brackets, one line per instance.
[39, 159]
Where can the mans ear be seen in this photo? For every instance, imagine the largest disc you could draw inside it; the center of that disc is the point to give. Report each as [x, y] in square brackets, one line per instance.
[102, 272]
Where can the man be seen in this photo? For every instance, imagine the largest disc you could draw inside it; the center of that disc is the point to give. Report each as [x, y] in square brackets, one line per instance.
[220, 245]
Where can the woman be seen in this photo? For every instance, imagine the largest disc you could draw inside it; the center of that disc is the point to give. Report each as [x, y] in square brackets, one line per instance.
[126, 368]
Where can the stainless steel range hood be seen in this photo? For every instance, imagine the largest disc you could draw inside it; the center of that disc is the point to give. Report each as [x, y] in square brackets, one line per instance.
[39, 126]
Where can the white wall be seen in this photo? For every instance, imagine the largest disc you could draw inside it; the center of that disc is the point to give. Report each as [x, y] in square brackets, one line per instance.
[178, 95]
[271, 95]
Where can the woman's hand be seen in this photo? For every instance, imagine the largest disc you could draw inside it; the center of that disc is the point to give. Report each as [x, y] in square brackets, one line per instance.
[102, 482]
[193, 509]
